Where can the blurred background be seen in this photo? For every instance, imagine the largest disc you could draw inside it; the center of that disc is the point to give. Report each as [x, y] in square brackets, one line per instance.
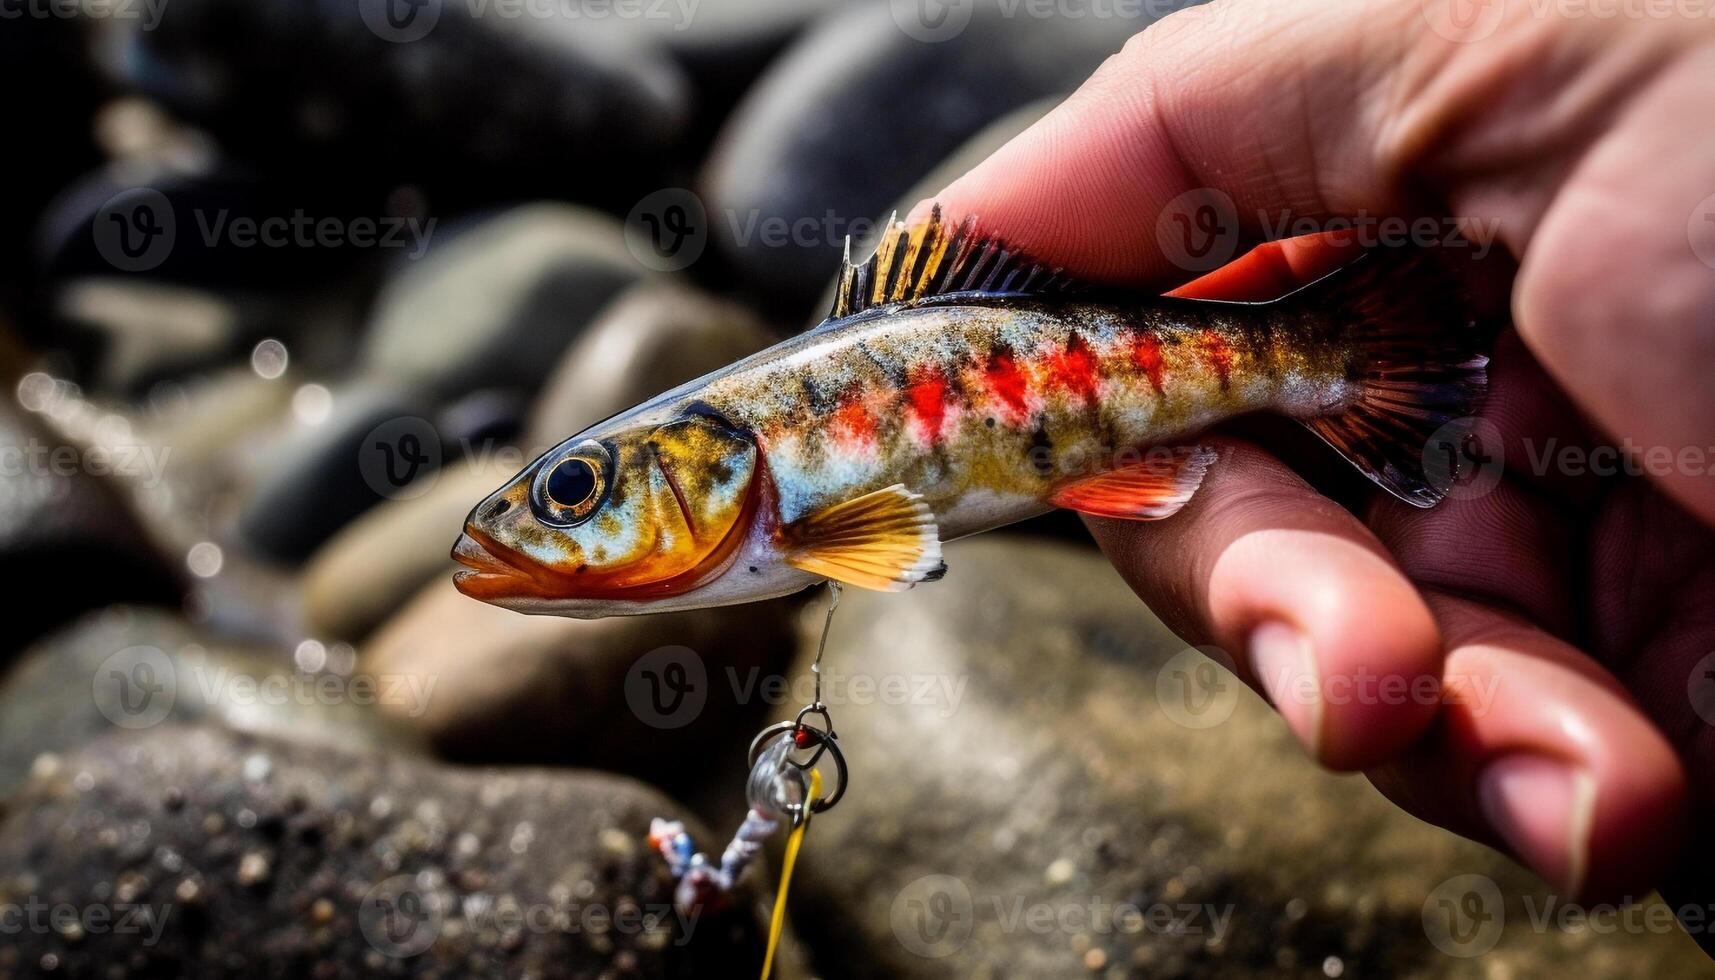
[288, 285]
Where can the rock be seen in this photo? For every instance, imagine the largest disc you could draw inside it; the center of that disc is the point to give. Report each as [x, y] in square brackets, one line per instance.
[495, 305]
[859, 109]
[373, 443]
[152, 331]
[213, 223]
[373, 566]
[69, 538]
[129, 669]
[648, 341]
[655, 696]
[219, 855]
[52, 131]
[481, 103]
[1046, 784]
[724, 47]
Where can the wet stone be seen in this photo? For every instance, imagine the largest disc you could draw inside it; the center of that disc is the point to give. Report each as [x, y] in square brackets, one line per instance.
[126, 669]
[1056, 786]
[338, 864]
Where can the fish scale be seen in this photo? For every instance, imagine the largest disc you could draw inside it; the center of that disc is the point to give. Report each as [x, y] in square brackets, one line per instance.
[956, 387]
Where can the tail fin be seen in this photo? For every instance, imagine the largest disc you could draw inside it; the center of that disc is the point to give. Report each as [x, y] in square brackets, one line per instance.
[1417, 353]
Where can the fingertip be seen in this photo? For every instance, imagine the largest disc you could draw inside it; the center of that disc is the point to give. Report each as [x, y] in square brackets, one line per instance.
[1365, 682]
[1299, 591]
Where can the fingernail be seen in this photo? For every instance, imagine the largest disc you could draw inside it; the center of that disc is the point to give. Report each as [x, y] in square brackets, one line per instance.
[1284, 665]
[1543, 808]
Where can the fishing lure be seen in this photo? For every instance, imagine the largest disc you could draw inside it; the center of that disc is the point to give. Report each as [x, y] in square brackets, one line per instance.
[959, 386]
[783, 788]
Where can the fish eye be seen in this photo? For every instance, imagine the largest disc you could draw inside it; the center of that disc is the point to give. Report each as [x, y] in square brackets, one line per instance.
[566, 493]
[572, 483]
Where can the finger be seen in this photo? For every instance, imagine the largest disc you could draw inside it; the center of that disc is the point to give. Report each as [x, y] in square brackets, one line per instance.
[1541, 753]
[1343, 645]
[1278, 107]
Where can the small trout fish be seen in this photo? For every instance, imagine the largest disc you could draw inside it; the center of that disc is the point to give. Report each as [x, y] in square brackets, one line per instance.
[959, 386]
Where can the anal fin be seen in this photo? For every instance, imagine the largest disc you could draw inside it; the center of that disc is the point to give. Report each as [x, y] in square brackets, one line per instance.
[886, 540]
[1148, 490]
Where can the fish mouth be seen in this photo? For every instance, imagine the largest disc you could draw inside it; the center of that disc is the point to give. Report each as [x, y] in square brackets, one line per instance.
[486, 573]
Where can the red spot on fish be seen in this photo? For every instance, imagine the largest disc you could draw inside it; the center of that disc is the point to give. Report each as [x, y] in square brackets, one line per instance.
[1218, 354]
[1074, 369]
[927, 397]
[1007, 382]
[1146, 357]
[852, 426]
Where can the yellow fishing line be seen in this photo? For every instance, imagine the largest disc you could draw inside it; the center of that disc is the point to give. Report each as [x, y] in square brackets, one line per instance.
[778, 923]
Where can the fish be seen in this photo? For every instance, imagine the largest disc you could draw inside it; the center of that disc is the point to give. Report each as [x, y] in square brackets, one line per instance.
[957, 386]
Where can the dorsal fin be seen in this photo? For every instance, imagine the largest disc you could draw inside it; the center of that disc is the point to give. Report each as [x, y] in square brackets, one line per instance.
[927, 259]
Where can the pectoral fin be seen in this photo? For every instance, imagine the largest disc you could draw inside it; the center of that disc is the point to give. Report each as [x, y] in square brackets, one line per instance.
[1148, 490]
[886, 540]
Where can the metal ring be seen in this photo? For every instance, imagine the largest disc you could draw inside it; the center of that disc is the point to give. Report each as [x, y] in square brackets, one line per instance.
[825, 742]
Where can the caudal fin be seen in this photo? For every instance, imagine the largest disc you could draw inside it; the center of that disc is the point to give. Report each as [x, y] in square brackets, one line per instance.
[1418, 357]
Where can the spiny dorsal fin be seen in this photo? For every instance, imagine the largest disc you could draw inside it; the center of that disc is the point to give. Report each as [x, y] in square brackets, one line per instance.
[928, 259]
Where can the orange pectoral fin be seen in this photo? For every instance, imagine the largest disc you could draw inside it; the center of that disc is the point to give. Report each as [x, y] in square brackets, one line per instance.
[887, 541]
[1148, 490]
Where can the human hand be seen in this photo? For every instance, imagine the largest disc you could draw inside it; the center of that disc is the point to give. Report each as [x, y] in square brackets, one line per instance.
[1565, 615]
